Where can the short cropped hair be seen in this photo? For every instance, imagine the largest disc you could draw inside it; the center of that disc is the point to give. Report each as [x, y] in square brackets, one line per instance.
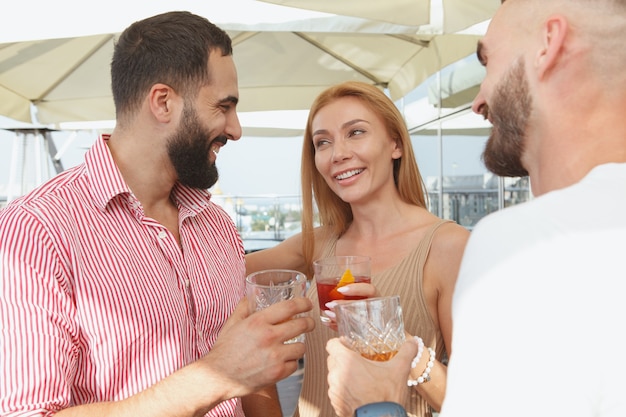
[170, 48]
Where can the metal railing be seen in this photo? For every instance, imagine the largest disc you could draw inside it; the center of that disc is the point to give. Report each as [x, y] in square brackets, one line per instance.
[265, 220]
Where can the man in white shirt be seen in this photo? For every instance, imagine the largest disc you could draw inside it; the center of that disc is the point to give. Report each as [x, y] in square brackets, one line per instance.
[539, 308]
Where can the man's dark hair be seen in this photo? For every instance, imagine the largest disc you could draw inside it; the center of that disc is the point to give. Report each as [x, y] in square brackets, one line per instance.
[170, 48]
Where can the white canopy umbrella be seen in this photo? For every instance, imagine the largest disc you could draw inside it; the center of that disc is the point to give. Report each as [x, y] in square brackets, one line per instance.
[29, 20]
[437, 16]
[287, 70]
[281, 65]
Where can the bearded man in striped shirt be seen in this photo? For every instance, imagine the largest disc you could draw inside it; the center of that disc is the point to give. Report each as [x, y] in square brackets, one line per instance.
[117, 275]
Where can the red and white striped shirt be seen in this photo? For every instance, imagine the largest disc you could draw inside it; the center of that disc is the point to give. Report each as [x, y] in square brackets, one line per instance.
[98, 301]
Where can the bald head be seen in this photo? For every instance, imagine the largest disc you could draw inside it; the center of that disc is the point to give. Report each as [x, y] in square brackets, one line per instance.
[598, 25]
[594, 33]
[555, 89]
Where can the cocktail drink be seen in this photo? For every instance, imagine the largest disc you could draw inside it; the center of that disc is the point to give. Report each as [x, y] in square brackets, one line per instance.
[327, 290]
[335, 272]
[373, 327]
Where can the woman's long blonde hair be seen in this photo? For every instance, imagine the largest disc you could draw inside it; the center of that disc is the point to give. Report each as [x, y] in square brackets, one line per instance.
[334, 212]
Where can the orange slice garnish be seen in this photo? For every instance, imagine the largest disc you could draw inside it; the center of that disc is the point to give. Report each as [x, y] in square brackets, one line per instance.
[346, 278]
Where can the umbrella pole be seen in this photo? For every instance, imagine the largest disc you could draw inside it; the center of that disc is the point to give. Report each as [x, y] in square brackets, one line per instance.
[17, 143]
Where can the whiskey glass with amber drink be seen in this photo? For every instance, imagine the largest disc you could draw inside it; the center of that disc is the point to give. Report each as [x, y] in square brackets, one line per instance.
[373, 327]
[336, 271]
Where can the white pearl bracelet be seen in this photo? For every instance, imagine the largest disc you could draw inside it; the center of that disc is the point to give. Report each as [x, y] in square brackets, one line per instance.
[420, 350]
[425, 377]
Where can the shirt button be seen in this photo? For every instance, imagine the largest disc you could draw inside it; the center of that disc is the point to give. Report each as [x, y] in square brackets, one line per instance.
[162, 234]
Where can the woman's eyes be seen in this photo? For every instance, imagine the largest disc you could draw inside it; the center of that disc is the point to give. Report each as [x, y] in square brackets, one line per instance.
[321, 142]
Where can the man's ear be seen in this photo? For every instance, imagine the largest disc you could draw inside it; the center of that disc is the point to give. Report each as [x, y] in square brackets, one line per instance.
[553, 37]
[161, 102]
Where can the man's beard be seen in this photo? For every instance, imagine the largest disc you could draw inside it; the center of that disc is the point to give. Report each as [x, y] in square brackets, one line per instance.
[189, 150]
[510, 111]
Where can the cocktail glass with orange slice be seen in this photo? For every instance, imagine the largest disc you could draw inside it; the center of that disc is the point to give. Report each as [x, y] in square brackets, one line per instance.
[335, 272]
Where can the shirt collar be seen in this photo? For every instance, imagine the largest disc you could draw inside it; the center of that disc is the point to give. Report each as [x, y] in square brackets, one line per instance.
[190, 200]
[107, 181]
[104, 175]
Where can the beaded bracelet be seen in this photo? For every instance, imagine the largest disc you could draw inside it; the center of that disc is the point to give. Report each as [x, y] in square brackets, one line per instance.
[420, 350]
[425, 377]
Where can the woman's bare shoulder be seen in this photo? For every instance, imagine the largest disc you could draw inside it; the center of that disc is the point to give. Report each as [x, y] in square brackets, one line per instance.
[445, 255]
[450, 238]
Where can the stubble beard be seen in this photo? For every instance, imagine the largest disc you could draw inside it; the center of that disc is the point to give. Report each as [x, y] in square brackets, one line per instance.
[510, 112]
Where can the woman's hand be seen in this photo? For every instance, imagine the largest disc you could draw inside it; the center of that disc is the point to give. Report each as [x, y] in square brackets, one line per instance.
[357, 289]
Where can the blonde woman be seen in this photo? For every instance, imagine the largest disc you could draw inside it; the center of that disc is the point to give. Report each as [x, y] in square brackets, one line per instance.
[359, 167]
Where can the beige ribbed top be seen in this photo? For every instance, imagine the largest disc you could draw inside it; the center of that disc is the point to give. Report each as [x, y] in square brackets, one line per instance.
[404, 279]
